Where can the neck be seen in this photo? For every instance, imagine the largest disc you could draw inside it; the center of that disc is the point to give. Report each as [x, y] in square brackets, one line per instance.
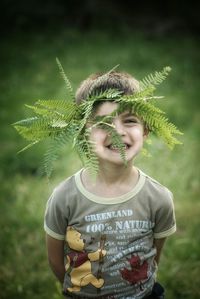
[111, 180]
[115, 174]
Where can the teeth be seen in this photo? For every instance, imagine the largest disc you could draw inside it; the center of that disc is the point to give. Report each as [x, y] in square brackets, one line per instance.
[116, 148]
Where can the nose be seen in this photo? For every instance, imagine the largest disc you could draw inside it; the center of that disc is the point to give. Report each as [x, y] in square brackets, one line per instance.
[119, 127]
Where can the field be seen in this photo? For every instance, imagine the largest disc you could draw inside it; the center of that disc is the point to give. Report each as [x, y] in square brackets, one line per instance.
[28, 73]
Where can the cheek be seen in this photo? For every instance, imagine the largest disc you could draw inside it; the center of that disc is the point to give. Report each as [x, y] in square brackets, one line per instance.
[138, 133]
[98, 136]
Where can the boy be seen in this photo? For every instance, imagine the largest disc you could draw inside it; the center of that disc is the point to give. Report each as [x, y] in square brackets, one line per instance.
[105, 236]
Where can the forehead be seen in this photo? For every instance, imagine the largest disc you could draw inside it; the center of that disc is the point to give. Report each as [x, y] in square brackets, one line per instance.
[107, 108]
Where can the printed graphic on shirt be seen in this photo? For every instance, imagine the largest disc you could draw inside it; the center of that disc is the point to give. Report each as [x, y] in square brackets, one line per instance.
[123, 253]
[79, 261]
[138, 270]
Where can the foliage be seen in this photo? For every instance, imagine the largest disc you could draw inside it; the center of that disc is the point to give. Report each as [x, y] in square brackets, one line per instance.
[64, 121]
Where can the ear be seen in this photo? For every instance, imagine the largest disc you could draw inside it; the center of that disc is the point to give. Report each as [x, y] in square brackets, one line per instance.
[145, 133]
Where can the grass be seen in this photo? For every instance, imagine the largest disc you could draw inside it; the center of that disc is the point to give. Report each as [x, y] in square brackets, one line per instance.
[29, 72]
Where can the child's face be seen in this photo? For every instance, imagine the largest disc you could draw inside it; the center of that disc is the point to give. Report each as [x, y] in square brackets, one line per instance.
[128, 126]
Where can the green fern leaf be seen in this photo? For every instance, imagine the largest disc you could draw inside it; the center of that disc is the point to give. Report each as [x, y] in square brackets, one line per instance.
[40, 128]
[84, 148]
[155, 79]
[27, 147]
[65, 78]
[65, 122]
[53, 152]
[104, 122]
[65, 109]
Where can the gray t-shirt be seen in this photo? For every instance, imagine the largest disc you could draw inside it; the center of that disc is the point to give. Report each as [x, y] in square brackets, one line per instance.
[109, 249]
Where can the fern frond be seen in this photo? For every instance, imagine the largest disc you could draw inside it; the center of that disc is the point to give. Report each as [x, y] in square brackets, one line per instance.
[104, 122]
[153, 118]
[87, 107]
[109, 94]
[155, 79]
[166, 131]
[118, 144]
[54, 150]
[64, 109]
[65, 78]
[85, 150]
[59, 105]
[138, 107]
[65, 122]
[28, 146]
[157, 123]
[25, 122]
[40, 128]
[44, 112]
[39, 111]
[143, 94]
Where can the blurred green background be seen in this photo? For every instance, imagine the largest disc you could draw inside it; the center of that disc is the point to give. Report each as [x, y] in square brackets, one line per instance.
[29, 46]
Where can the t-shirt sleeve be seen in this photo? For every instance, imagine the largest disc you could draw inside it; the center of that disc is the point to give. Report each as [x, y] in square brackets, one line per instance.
[165, 222]
[56, 215]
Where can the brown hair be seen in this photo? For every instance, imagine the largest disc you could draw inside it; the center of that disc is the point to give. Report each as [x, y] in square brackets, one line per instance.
[99, 82]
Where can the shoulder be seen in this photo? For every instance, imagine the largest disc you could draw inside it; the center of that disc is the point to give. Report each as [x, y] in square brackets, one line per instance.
[160, 200]
[153, 186]
[66, 185]
[157, 192]
[63, 191]
[58, 209]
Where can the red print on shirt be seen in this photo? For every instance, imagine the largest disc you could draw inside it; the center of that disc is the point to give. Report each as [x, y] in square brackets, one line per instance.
[77, 258]
[138, 270]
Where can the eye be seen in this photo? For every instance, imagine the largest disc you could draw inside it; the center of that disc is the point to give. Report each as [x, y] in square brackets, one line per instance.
[130, 121]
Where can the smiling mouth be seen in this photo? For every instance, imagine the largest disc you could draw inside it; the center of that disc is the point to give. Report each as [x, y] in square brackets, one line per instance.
[114, 148]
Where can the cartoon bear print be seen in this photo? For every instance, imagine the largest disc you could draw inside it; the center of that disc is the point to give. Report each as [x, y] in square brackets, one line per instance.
[79, 262]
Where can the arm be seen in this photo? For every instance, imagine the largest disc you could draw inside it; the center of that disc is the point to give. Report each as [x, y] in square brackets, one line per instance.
[55, 251]
[158, 244]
